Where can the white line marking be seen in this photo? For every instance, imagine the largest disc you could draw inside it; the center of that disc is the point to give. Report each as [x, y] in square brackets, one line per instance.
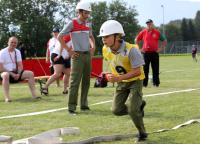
[165, 93]
[169, 71]
[99, 103]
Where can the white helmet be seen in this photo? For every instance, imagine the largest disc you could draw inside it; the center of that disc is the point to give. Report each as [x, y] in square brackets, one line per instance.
[84, 6]
[111, 27]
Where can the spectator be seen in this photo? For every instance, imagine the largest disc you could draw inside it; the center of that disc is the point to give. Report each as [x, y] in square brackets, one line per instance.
[50, 47]
[83, 44]
[150, 37]
[126, 64]
[61, 64]
[11, 69]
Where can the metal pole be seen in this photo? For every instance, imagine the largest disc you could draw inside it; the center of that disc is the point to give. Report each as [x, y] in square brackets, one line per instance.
[163, 12]
[163, 26]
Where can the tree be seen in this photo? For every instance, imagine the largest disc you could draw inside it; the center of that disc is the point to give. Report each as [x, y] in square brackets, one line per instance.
[116, 10]
[197, 24]
[173, 32]
[98, 16]
[192, 32]
[120, 11]
[184, 30]
[34, 19]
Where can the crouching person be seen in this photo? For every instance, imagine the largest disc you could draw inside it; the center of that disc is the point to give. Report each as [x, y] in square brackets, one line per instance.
[126, 63]
[11, 69]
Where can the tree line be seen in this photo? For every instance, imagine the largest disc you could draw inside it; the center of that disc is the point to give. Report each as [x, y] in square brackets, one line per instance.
[184, 30]
[32, 22]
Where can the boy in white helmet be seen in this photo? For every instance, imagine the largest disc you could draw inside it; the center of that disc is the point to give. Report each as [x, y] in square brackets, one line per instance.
[83, 47]
[126, 64]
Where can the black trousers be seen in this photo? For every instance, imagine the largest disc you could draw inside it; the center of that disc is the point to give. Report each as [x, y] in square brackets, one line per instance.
[153, 59]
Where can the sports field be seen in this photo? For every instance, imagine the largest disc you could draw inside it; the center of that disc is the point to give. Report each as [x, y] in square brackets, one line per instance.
[176, 101]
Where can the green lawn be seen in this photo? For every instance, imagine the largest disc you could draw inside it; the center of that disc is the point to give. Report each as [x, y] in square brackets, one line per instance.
[165, 111]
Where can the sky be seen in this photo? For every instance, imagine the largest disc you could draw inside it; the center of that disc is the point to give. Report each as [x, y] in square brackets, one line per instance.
[172, 9]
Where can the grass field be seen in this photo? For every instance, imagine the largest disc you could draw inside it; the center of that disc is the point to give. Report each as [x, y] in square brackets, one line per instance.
[162, 111]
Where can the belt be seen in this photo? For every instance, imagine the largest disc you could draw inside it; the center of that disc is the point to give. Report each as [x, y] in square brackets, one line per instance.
[82, 52]
[149, 52]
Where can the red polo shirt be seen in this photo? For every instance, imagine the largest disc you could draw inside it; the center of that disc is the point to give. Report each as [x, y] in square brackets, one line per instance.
[150, 39]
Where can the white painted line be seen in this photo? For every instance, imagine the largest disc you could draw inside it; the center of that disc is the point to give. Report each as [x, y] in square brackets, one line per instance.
[172, 71]
[169, 71]
[165, 93]
[33, 113]
[99, 103]
[103, 102]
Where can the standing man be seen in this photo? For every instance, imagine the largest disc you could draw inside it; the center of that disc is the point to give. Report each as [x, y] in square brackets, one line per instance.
[150, 37]
[11, 69]
[83, 47]
[50, 47]
[126, 64]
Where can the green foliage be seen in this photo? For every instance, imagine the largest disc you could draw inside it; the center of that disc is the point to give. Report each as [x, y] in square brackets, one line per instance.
[126, 16]
[197, 24]
[116, 10]
[173, 32]
[99, 15]
[192, 32]
[184, 30]
[34, 21]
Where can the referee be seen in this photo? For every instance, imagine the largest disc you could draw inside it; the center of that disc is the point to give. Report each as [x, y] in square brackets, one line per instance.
[151, 37]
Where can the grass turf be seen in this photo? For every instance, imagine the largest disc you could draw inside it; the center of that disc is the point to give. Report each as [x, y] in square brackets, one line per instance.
[166, 111]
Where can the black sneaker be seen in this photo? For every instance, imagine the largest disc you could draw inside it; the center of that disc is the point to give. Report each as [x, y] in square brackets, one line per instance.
[141, 137]
[85, 108]
[71, 112]
[142, 107]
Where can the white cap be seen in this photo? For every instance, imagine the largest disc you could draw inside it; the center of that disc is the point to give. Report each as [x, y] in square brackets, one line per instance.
[111, 27]
[84, 6]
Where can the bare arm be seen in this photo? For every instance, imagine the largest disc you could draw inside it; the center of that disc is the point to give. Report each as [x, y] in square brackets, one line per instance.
[47, 55]
[137, 41]
[92, 44]
[20, 66]
[62, 43]
[163, 45]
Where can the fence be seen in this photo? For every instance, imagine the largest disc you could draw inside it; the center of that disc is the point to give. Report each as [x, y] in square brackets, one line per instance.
[181, 47]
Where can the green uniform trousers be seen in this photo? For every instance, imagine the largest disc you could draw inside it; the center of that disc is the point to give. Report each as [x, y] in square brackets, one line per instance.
[128, 100]
[80, 72]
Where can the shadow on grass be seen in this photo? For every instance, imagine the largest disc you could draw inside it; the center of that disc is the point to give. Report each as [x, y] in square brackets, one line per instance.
[31, 100]
[97, 112]
[161, 115]
[160, 140]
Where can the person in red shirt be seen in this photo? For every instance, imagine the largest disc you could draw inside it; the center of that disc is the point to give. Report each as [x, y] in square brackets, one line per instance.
[151, 37]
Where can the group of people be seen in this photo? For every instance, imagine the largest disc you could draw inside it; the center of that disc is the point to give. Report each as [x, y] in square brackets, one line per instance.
[70, 52]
